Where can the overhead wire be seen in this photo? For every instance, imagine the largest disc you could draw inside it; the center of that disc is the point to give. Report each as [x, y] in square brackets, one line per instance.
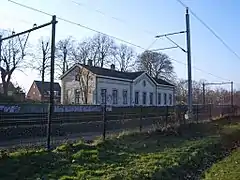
[112, 17]
[210, 29]
[94, 30]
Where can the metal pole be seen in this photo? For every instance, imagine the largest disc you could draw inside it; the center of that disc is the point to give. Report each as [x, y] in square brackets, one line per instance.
[27, 31]
[0, 50]
[203, 94]
[64, 58]
[51, 104]
[232, 108]
[232, 94]
[189, 65]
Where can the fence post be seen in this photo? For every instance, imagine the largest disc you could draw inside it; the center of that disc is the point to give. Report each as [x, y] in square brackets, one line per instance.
[104, 121]
[166, 118]
[210, 112]
[197, 113]
[140, 120]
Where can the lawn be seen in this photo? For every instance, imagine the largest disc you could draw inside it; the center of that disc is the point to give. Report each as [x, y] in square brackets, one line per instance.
[228, 168]
[154, 155]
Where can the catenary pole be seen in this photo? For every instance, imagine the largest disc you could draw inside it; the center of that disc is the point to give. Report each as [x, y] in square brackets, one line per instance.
[51, 103]
[189, 65]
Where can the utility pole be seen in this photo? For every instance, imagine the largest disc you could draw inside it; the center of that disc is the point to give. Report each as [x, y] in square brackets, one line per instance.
[0, 49]
[232, 94]
[189, 65]
[64, 59]
[203, 95]
[51, 104]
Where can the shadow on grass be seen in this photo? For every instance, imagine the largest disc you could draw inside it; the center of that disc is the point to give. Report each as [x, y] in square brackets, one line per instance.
[104, 159]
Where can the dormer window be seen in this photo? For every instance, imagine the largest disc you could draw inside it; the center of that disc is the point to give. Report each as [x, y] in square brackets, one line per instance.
[77, 77]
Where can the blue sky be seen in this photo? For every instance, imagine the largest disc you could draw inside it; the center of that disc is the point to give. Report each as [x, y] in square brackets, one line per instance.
[142, 20]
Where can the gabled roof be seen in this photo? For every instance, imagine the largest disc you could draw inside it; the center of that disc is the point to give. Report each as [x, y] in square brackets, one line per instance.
[47, 86]
[116, 74]
[113, 73]
[161, 81]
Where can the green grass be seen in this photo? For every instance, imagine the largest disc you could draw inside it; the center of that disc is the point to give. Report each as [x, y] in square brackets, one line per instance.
[127, 156]
[227, 169]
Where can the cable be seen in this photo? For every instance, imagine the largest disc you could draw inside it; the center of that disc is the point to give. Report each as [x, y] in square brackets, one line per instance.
[80, 25]
[210, 29]
[115, 18]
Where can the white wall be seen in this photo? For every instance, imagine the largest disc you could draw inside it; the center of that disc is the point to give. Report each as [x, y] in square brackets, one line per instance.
[149, 88]
[110, 85]
[167, 90]
[69, 85]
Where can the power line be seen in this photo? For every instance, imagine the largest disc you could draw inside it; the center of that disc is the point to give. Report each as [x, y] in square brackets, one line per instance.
[91, 29]
[78, 24]
[112, 17]
[210, 29]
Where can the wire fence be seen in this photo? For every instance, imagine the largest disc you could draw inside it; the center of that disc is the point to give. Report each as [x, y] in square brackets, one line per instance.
[20, 129]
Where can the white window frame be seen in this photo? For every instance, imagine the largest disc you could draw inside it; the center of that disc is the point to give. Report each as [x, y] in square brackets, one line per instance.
[159, 99]
[170, 97]
[125, 95]
[136, 97]
[165, 98]
[115, 96]
[151, 98]
[144, 98]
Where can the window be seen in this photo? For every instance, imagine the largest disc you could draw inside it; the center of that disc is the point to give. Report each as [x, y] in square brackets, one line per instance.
[136, 97]
[170, 99]
[55, 93]
[124, 96]
[144, 97]
[159, 98]
[77, 96]
[104, 95]
[77, 77]
[151, 98]
[165, 98]
[115, 96]
[33, 92]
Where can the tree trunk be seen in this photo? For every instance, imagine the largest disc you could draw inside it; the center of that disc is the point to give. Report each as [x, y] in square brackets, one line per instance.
[6, 82]
[42, 86]
[5, 88]
[42, 76]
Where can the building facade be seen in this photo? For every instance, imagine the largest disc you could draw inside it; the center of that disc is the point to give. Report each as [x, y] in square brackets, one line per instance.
[41, 92]
[86, 84]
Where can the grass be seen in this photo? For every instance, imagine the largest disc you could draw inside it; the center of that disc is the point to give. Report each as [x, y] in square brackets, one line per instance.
[228, 168]
[126, 156]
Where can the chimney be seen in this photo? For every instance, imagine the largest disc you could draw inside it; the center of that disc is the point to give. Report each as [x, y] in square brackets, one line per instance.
[90, 62]
[112, 67]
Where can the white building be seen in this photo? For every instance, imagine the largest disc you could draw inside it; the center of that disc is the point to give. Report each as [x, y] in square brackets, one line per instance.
[86, 84]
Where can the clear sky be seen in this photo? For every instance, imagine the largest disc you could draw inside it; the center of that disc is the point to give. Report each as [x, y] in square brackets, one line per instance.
[140, 21]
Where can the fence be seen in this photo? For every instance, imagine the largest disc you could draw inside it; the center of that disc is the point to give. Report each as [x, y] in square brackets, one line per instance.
[72, 122]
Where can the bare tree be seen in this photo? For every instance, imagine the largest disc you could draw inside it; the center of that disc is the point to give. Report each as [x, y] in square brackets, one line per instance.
[98, 48]
[42, 59]
[102, 48]
[84, 51]
[64, 54]
[124, 56]
[181, 91]
[158, 65]
[86, 84]
[12, 58]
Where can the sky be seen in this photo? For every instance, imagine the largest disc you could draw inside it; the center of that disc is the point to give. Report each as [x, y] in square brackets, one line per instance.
[138, 22]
